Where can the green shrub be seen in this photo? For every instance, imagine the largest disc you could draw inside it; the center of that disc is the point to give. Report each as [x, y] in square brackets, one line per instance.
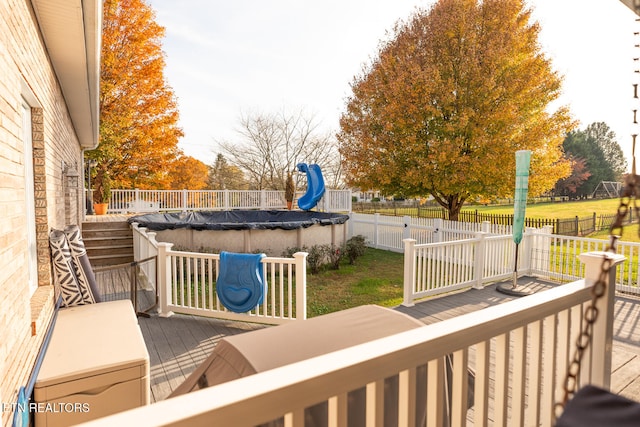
[288, 253]
[334, 255]
[316, 257]
[355, 248]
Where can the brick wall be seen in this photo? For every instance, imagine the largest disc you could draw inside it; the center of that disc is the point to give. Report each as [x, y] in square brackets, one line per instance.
[25, 70]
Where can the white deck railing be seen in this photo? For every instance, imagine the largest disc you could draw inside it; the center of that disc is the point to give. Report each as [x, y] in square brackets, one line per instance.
[140, 201]
[185, 282]
[519, 352]
[556, 257]
[436, 268]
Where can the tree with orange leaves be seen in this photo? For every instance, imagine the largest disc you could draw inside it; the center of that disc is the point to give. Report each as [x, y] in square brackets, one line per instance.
[138, 110]
[450, 97]
[188, 173]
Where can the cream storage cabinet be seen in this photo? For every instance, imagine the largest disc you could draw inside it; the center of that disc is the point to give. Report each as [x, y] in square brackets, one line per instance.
[96, 364]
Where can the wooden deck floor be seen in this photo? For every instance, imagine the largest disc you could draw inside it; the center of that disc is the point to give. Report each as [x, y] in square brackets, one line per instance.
[177, 345]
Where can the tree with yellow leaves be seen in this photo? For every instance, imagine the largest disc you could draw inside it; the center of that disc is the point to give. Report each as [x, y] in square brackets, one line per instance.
[138, 110]
[450, 97]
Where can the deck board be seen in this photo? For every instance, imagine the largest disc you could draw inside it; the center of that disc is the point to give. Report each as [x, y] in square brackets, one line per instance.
[178, 344]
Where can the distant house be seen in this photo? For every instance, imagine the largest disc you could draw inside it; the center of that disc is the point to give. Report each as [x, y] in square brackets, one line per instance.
[366, 196]
[49, 109]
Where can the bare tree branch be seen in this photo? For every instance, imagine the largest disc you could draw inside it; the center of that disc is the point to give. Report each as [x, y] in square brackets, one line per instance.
[271, 145]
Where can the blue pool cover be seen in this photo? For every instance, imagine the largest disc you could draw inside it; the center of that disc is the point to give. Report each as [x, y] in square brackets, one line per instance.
[237, 220]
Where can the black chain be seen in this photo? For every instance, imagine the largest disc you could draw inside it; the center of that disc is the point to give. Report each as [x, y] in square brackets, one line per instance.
[599, 289]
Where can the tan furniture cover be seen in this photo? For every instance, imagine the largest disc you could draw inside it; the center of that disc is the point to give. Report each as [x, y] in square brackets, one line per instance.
[96, 364]
[257, 351]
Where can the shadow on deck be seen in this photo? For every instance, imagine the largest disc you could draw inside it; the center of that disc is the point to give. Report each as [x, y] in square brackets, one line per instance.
[178, 344]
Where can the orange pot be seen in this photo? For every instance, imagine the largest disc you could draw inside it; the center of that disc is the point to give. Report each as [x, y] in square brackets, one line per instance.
[100, 208]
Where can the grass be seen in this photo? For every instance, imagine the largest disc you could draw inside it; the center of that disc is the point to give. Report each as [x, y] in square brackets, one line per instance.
[629, 234]
[553, 210]
[375, 278]
[561, 210]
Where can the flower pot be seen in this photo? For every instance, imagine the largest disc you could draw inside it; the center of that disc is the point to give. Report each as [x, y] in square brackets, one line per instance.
[289, 204]
[100, 208]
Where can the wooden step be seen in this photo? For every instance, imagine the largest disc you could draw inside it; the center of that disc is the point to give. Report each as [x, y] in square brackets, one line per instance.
[108, 225]
[95, 242]
[105, 234]
[106, 260]
[110, 250]
[108, 242]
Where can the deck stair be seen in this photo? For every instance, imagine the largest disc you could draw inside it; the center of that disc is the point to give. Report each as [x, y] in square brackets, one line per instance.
[108, 243]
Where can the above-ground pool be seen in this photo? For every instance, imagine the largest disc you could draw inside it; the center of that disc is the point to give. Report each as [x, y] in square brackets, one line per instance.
[271, 232]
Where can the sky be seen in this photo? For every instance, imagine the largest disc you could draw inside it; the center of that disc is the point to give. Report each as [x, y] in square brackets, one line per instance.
[225, 59]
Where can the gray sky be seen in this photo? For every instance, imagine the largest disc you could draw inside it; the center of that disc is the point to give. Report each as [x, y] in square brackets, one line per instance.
[226, 57]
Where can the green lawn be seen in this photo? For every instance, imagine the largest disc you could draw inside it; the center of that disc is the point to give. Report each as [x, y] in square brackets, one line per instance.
[555, 210]
[376, 278]
[629, 234]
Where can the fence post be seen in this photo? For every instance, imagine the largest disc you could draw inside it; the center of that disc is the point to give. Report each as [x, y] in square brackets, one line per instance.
[409, 271]
[406, 231]
[150, 250]
[263, 199]
[142, 251]
[301, 285]
[136, 241]
[184, 200]
[478, 265]
[438, 223]
[164, 279]
[376, 219]
[602, 331]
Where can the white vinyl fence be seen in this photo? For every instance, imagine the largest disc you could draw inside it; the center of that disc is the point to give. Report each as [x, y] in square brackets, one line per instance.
[388, 232]
[140, 201]
[185, 282]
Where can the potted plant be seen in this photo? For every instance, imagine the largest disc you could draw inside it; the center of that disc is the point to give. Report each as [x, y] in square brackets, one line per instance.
[101, 194]
[289, 190]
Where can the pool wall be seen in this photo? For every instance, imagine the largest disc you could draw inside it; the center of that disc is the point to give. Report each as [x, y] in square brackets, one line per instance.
[272, 242]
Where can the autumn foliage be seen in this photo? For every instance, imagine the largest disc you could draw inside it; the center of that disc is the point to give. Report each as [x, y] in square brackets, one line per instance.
[138, 110]
[579, 174]
[188, 173]
[450, 97]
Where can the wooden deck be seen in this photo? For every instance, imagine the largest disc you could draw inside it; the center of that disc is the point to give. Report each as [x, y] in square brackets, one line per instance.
[179, 343]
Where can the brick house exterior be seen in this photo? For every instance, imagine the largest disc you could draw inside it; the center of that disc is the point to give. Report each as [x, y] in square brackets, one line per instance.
[49, 86]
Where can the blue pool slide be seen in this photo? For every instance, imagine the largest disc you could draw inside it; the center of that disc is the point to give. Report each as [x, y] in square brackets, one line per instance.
[315, 186]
